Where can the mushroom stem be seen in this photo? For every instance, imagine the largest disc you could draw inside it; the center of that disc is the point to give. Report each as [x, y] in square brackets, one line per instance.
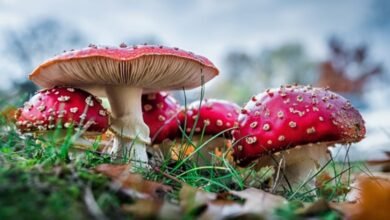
[299, 163]
[131, 133]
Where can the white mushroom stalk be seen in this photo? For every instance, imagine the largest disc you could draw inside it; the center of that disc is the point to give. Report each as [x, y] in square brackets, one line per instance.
[298, 166]
[131, 133]
[122, 75]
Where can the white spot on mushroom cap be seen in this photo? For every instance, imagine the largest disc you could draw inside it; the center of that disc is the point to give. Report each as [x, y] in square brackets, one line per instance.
[74, 109]
[67, 124]
[102, 112]
[89, 101]
[41, 108]
[161, 118]
[292, 124]
[160, 105]
[310, 130]
[63, 98]
[251, 140]
[253, 124]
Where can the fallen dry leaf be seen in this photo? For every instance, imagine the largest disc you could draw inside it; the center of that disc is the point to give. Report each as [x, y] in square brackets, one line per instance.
[372, 194]
[9, 113]
[221, 209]
[144, 209]
[314, 209]
[259, 202]
[325, 184]
[133, 184]
[192, 198]
[150, 209]
[206, 205]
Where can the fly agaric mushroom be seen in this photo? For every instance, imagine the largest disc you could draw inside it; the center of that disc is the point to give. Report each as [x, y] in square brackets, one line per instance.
[297, 123]
[213, 117]
[63, 108]
[160, 112]
[122, 75]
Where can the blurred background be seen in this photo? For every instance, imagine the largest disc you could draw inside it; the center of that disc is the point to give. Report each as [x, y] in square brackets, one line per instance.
[255, 44]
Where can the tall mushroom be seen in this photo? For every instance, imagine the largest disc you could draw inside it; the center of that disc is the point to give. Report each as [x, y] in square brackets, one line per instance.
[122, 75]
[63, 108]
[296, 123]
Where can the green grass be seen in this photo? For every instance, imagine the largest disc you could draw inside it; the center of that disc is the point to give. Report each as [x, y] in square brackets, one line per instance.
[39, 180]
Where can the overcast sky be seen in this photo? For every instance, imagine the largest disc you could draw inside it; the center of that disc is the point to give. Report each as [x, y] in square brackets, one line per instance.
[210, 28]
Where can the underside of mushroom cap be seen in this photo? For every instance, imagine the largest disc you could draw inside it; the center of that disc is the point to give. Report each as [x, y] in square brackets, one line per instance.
[283, 118]
[152, 68]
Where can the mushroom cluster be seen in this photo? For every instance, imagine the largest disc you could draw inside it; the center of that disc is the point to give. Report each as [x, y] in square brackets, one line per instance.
[206, 124]
[291, 124]
[297, 124]
[122, 75]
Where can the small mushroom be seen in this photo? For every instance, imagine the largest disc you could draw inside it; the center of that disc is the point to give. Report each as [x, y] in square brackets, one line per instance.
[296, 123]
[160, 112]
[63, 108]
[123, 74]
[211, 121]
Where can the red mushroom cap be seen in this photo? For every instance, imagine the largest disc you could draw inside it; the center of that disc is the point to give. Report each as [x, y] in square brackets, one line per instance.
[160, 112]
[215, 116]
[49, 108]
[151, 67]
[283, 118]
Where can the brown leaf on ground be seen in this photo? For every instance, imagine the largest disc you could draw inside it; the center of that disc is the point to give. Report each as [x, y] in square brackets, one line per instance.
[205, 205]
[372, 195]
[133, 184]
[192, 198]
[150, 209]
[326, 185]
[314, 209]
[221, 209]
[9, 113]
[259, 202]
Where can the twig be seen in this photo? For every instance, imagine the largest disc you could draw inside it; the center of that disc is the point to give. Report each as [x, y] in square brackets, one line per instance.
[92, 205]
[277, 178]
[159, 171]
